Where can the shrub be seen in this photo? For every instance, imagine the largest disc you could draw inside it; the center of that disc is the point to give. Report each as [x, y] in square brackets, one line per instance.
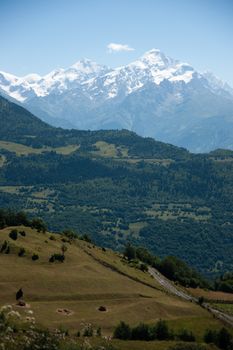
[52, 238]
[57, 257]
[88, 331]
[13, 234]
[143, 267]
[221, 338]
[22, 233]
[159, 331]
[21, 252]
[224, 340]
[201, 300]
[122, 331]
[99, 332]
[210, 336]
[177, 270]
[39, 225]
[69, 234]
[63, 330]
[185, 335]
[129, 252]
[86, 238]
[7, 251]
[162, 331]
[35, 257]
[141, 332]
[3, 322]
[4, 246]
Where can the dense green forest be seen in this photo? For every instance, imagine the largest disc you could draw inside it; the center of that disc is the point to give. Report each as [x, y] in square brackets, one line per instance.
[118, 187]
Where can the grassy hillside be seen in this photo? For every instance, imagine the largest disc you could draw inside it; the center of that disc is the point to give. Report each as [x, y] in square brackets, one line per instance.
[89, 277]
[117, 186]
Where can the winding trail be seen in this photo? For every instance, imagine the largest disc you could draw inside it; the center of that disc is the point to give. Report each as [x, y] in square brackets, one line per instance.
[171, 288]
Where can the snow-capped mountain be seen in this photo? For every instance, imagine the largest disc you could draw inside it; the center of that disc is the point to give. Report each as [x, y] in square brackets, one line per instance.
[155, 96]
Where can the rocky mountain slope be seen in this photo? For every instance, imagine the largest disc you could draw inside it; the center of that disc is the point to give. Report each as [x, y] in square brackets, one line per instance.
[154, 96]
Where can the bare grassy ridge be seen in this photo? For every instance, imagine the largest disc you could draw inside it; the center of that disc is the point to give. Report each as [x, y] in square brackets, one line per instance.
[89, 278]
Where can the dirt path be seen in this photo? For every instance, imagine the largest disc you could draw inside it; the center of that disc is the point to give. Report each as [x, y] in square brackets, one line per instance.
[171, 288]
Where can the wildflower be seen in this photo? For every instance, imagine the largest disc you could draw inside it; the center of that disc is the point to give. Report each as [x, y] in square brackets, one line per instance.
[13, 313]
[6, 308]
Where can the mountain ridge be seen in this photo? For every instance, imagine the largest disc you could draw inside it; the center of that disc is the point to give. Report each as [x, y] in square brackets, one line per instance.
[155, 96]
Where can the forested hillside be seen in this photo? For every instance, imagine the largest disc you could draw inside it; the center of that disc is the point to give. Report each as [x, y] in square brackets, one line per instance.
[118, 187]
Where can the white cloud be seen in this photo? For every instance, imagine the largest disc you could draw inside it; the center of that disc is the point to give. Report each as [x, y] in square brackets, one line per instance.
[113, 47]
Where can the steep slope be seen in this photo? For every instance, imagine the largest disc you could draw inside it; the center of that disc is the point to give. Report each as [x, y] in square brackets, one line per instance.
[154, 96]
[88, 278]
[17, 121]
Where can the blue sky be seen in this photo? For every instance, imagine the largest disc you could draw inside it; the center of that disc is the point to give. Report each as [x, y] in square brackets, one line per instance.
[40, 35]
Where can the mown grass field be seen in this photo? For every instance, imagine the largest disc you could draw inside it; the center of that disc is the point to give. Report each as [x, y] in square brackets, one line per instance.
[20, 149]
[89, 278]
[211, 295]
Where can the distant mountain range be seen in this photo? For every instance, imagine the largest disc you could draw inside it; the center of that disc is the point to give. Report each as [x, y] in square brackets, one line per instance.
[154, 96]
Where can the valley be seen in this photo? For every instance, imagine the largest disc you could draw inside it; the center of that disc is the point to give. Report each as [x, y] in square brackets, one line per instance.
[116, 175]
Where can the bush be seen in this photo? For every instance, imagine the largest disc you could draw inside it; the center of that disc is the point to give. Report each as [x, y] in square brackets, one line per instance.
[129, 252]
[145, 256]
[210, 336]
[85, 238]
[143, 267]
[224, 340]
[221, 338]
[21, 252]
[35, 257]
[159, 331]
[185, 335]
[177, 270]
[57, 257]
[11, 218]
[99, 332]
[88, 331]
[13, 234]
[22, 233]
[122, 331]
[201, 300]
[141, 332]
[4, 246]
[162, 331]
[69, 234]
[39, 225]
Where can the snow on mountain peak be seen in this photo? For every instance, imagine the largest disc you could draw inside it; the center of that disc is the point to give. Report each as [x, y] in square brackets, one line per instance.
[101, 82]
[86, 66]
[157, 58]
